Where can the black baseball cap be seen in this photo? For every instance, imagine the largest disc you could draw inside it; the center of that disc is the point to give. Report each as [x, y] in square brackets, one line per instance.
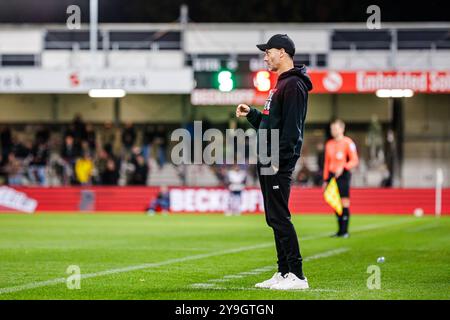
[279, 41]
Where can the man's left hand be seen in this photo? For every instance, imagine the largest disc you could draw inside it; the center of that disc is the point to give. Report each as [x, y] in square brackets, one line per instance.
[275, 168]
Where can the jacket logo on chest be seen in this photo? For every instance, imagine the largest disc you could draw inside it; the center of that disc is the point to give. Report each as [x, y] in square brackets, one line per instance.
[266, 110]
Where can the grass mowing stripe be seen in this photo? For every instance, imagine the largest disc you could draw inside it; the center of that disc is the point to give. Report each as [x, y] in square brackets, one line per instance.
[56, 281]
[130, 268]
[424, 227]
[242, 274]
[358, 229]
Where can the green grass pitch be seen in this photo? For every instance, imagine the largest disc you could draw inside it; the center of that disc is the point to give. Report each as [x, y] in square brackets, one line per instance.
[217, 257]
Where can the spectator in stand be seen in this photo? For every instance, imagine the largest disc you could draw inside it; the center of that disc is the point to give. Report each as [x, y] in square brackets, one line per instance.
[22, 149]
[304, 175]
[108, 137]
[71, 166]
[6, 143]
[100, 163]
[110, 176]
[391, 158]
[38, 164]
[128, 136]
[84, 168]
[140, 173]
[318, 175]
[85, 147]
[79, 128]
[14, 170]
[161, 141]
[91, 138]
[69, 153]
[70, 150]
[3, 174]
[149, 136]
[42, 134]
[135, 151]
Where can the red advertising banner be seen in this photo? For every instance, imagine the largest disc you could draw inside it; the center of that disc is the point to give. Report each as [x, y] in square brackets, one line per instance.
[328, 81]
[371, 81]
[214, 200]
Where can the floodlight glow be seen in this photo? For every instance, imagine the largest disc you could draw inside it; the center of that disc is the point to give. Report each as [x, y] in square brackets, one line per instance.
[107, 93]
[394, 93]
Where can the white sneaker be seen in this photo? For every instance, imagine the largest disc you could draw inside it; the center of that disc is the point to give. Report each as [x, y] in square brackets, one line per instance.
[277, 277]
[291, 282]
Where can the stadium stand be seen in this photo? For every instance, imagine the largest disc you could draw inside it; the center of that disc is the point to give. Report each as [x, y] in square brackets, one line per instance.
[191, 55]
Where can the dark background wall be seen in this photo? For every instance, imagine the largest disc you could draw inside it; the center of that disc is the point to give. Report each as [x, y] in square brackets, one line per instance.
[54, 11]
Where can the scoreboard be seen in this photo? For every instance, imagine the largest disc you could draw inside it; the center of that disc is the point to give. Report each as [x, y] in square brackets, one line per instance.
[230, 79]
[229, 72]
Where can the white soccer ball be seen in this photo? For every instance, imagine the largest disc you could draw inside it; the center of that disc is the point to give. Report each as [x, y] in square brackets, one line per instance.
[380, 260]
[418, 212]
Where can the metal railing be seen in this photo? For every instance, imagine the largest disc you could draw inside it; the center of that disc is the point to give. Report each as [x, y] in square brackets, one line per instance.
[20, 60]
[114, 45]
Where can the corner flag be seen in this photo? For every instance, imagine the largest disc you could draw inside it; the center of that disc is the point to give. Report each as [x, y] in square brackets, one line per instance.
[332, 196]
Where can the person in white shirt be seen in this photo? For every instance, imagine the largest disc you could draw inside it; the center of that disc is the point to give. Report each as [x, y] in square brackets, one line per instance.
[236, 183]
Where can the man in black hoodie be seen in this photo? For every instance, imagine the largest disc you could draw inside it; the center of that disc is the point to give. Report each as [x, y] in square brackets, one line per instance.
[285, 111]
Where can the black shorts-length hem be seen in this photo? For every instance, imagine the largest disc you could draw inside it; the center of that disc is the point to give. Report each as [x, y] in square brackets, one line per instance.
[343, 182]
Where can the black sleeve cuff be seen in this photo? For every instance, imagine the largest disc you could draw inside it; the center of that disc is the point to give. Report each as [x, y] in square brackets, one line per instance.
[251, 112]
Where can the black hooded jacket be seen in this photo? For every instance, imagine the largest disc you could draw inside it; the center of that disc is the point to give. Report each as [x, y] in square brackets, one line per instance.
[285, 109]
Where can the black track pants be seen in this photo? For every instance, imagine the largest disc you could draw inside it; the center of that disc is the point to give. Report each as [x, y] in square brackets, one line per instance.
[276, 189]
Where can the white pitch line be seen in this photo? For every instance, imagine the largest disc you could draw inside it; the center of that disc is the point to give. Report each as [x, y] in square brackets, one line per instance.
[51, 282]
[240, 275]
[260, 290]
[326, 254]
[203, 285]
[424, 227]
[219, 280]
[246, 273]
[38, 284]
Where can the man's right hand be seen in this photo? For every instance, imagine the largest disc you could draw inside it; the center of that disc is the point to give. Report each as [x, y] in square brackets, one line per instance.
[242, 110]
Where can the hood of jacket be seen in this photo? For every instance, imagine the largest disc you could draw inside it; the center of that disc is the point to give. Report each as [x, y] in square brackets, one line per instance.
[298, 71]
